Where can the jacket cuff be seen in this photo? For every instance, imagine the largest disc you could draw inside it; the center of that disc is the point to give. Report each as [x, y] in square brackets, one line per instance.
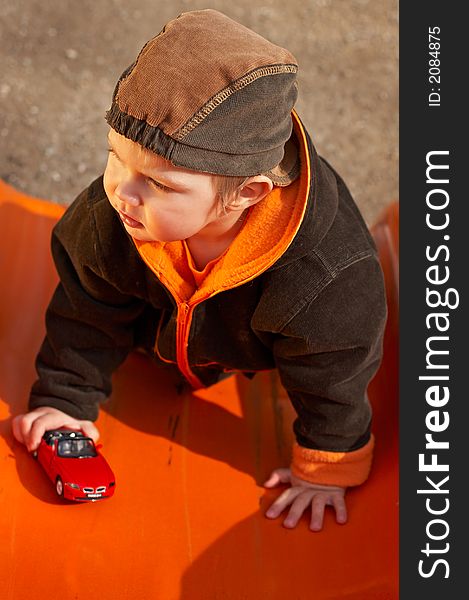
[343, 469]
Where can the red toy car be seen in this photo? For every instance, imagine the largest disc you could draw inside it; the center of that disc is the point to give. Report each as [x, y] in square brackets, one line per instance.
[73, 463]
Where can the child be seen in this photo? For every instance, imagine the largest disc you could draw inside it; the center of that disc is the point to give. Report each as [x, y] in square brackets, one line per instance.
[219, 241]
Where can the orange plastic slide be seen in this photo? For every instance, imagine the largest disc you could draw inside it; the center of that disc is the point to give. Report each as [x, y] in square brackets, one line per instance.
[187, 519]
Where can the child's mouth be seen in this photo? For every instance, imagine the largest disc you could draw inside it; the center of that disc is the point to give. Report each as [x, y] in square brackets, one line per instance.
[129, 221]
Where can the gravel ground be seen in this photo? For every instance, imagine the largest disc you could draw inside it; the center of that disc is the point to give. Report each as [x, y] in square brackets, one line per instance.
[61, 60]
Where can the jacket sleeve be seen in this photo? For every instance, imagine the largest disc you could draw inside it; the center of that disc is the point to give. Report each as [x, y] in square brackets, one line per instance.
[326, 356]
[89, 323]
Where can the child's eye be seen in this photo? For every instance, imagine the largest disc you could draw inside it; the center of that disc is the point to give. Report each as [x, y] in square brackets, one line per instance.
[111, 151]
[152, 182]
[158, 185]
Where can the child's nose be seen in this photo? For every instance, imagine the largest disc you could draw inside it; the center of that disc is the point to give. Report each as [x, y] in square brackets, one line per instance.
[128, 194]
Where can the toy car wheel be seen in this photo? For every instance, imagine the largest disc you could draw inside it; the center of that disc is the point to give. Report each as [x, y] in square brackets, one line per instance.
[59, 487]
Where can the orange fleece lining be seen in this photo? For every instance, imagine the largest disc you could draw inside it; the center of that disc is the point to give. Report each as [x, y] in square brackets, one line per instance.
[343, 469]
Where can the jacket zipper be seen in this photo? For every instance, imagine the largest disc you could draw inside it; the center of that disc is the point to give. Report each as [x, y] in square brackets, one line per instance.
[182, 341]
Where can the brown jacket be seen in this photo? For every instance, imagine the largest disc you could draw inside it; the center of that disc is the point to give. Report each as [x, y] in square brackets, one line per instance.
[300, 289]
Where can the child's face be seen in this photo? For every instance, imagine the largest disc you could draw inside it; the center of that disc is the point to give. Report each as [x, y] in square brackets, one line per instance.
[155, 200]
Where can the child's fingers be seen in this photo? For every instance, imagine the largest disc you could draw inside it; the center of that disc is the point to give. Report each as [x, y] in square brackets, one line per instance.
[29, 428]
[278, 476]
[338, 502]
[282, 502]
[24, 424]
[317, 511]
[90, 430]
[301, 503]
[50, 420]
[16, 428]
[272, 481]
[38, 428]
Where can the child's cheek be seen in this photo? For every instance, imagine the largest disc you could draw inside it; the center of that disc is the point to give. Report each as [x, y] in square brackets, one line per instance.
[106, 183]
[109, 181]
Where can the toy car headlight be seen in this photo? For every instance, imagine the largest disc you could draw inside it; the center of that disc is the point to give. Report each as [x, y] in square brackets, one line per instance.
[73, 485]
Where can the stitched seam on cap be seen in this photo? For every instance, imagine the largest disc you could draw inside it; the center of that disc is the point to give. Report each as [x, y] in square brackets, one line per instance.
[229, 91]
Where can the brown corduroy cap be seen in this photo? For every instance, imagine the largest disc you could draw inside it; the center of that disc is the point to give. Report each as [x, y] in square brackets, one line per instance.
[209, 94]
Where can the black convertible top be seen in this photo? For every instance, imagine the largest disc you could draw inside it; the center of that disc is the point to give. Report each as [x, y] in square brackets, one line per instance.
[63, 434]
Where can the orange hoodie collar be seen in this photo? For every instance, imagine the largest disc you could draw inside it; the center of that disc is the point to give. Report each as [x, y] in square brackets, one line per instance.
[266, 235]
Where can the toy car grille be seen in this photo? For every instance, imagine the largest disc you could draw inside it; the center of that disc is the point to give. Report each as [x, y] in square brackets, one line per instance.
[99, 490]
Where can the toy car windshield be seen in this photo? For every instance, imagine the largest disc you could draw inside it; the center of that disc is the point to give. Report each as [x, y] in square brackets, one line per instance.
[80, 448]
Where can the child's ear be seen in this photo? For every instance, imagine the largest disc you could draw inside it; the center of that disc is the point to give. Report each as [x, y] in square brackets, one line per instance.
[252, 191]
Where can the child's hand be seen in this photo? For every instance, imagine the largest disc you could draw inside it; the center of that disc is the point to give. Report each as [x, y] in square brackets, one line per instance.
[302, 494]
[29, 428]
